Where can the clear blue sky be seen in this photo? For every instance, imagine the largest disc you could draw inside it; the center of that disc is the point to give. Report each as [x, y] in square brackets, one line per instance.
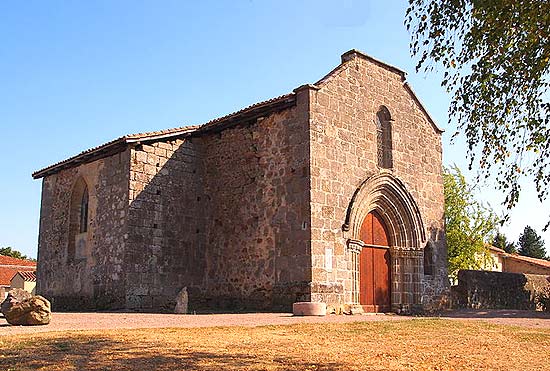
[75, 74]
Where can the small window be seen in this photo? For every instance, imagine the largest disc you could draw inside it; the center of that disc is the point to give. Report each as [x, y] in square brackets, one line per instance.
[84, 212]
[429, 259]
[78, 221]
[384, 138]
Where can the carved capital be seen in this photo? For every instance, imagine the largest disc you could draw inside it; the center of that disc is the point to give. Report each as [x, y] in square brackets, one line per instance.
[355, 246]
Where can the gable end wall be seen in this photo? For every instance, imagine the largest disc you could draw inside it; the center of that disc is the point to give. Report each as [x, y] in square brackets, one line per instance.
[344, 154]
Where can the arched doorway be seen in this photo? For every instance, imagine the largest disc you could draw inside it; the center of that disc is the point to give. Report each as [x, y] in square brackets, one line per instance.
[383, 213]
[374, 265]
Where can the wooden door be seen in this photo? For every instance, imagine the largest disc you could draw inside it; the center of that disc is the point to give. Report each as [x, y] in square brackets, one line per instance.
[374, 265]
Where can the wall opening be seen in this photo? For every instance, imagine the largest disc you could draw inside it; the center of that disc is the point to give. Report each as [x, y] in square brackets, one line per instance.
[78, 221]
[384, 138]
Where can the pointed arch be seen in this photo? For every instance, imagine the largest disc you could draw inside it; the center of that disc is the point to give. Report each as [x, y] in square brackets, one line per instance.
[389, 197]
[78, 219]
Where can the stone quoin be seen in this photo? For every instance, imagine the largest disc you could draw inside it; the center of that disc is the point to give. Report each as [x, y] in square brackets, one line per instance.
[332, 193]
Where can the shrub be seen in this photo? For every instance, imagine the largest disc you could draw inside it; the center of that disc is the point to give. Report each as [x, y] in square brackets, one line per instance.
[543, 299]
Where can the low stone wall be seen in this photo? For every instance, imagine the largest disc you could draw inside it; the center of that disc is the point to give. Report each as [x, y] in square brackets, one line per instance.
[497, 290]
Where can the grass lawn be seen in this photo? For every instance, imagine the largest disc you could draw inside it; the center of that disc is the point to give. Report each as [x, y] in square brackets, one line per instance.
[423, 344]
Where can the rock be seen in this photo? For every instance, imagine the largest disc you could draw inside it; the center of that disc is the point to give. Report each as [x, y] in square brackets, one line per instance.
[21, 308]
[182, 302]
[356, 309]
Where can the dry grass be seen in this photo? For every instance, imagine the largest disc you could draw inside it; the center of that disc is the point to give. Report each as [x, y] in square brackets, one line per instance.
[405, 345]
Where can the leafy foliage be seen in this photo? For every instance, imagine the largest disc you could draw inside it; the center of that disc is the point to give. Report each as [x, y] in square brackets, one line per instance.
[8, 251]
[531, 244]
[502, 242]
[543, 299]
[469, 224]
[496, 60]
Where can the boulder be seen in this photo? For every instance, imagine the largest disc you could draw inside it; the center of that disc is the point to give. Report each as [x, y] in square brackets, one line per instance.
[21, 308]
[182, 302]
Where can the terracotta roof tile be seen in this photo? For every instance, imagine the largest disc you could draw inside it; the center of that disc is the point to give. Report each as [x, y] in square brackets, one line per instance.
[29, 276]
[8, 260]
[6, 274]
[528, 259]
[495, 249]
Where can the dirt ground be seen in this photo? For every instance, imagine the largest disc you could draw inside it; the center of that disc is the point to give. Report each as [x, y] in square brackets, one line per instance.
[103, 321]
[369, 343]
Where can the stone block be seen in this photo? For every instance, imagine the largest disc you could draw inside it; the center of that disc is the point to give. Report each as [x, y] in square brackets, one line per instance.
[309, 309]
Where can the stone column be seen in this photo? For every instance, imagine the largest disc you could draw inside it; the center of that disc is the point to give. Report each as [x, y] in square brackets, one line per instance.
[406, 277]
[354, 248]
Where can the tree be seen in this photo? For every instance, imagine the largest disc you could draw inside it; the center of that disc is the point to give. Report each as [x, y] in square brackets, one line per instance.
[468, 223]
[531, 244]
[501, 242]
[495, 55]
[7, 251]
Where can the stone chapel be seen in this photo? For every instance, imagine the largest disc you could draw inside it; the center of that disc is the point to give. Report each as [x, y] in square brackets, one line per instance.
[332, 193]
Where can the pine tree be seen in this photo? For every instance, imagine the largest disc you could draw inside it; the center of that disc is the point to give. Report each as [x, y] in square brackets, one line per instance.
[8, 251]
[531, 244]
[501, 242]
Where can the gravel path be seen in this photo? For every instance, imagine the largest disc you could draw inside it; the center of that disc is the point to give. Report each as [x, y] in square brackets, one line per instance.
[102, 321]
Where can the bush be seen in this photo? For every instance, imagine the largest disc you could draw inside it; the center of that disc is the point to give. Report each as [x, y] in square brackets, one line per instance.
[543, 299]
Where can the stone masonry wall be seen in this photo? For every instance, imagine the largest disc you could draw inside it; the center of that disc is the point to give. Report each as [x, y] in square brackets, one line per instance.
[95, 279]
[166, 224]
[225, 215]
[498, 290]
[344, 154]
[256, 183]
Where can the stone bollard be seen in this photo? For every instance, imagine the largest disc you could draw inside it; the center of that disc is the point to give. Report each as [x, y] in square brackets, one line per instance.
[306, 308]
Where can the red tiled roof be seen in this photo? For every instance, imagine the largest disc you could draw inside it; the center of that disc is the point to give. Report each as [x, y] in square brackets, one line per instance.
[528, 259]
[29, 276]
[6, 274]
[8, 260]
[495, 249]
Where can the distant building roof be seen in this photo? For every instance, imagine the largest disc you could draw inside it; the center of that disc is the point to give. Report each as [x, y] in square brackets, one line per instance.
[496, 249]
[8, 260]
[29, 276]
[10, 266]
[527, 259]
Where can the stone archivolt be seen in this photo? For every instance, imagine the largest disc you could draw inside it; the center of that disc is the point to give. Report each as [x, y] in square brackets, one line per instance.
[388, 196]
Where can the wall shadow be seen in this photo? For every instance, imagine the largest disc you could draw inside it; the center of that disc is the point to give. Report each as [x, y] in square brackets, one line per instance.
[103, 353]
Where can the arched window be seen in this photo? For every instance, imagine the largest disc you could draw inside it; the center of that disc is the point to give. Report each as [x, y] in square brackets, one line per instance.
[384, 138]
[84, 212]
[78, 221]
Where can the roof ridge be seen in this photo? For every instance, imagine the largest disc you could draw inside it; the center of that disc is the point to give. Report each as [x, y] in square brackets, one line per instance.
[110, 147]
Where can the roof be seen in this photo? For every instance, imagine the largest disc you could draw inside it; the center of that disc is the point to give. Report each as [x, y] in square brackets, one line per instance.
[119, 144]
[527, 259]
[29, 276]
[9, 267]
[246, 114]
[6, 274]
[8, 260]
[496, 249]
